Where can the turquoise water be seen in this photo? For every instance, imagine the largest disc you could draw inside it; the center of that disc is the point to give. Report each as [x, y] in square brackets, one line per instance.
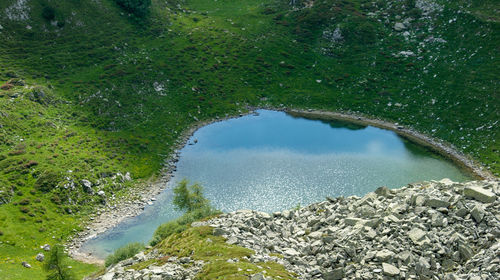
[274, 161]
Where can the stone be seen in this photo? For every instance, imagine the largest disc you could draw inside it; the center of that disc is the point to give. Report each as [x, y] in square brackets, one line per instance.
[101, 193]
[399, 26]
[416, 235]
[383, 191]
[436, 203]
[40, 257]
[108, 276]
[87, 185]
[354, 221]
[257, 276]
[220, 232]
[479, 194]
[446, 181]
[477, 213]
[291, 252]
[335, 274]
[422, 267]
[46, 247]
[25, 264]
[390, 270]
[384, 255]
[465, 251]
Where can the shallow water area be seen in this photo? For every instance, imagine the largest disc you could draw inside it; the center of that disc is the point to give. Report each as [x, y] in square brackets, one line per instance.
[272, 161]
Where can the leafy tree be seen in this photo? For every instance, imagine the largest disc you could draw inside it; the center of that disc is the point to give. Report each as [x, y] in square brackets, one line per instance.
[139, 8]
[189, 198]
[55, 265]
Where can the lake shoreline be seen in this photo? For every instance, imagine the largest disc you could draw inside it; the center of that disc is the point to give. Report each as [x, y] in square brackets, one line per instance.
[153, 187]
[444, 149]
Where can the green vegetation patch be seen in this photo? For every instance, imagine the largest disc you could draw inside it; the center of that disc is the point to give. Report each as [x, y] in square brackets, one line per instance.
[200, 244]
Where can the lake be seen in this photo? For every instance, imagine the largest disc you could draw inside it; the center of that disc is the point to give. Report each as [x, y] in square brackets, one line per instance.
[271, 161]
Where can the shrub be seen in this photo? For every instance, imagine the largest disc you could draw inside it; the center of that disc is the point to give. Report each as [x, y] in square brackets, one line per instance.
[48, 13]
[30, 163]
[139, 8]
[24, 201]
[47, 181]
[17, 152]
[179, 225]
[124, 253]
[56, 265]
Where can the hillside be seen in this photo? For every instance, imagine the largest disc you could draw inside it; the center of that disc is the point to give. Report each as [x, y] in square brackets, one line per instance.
[94, 99]
[428, 230]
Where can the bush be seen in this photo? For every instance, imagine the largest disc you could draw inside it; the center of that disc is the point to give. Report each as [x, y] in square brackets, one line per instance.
[181, 224]
[56, 265]
[47, 181]
[139, 8]
[124, 253]
[48, 13]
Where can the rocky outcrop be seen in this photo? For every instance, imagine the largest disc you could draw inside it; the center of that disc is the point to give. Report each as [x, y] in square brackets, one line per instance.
[429, 230]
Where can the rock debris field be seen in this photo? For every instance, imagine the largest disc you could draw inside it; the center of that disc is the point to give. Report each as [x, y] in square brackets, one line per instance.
[429, 230]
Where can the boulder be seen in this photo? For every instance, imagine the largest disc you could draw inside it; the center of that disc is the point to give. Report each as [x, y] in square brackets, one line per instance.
[436, 203]
[479, 194]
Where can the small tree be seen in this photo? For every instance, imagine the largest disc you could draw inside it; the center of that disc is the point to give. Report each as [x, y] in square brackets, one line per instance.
[189, 198]
[56, 266]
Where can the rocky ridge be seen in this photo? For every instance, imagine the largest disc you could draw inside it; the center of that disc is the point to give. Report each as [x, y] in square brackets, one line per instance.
[429, 230]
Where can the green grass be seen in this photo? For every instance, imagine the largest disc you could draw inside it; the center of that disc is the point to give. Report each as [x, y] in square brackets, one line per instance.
[200, 244]
[120, 92]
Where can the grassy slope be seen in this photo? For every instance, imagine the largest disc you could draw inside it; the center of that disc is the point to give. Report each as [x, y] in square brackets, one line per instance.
[121, 92]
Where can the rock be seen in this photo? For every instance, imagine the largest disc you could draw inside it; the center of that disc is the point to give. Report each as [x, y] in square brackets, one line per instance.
[384, 255]
[25, 264]
[291, 252]
[46, 247]
[40, 257]
[417, 235]
[465, 251]
[421, 231]
[390, 270]
[383, 191]
[87, 186]
[108, 276]
[479, 194]
[198, 224]
[127, 177]
[399, 26]
[220, 232]
[477, 213]
[354, 221]
[436, 203]
[335, 274]
[257, 276]
[423, 267]
[101, 193]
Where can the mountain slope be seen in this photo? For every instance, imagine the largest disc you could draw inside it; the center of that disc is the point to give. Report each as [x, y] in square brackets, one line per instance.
[90, 92]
